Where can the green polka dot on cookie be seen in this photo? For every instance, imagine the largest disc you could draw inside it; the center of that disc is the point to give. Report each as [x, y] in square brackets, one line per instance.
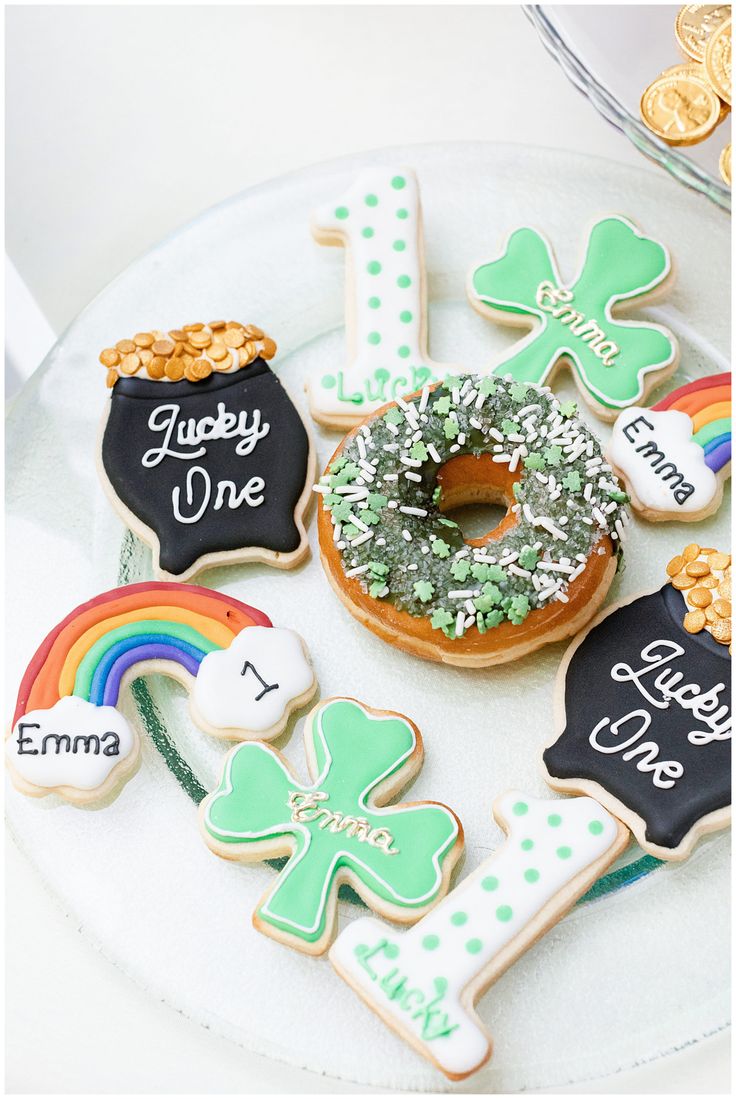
[328, 381]
[595, 827]
[490, 883]
[526, 845]
[564, 852]
[341, 213]
[374, 267]
[371, 200]
[374, 303]
[405, 316]
[430, 942]
[504, 913]
[473, 946]
[398, 183]
[391, 950]
[403, 281]
[554, 820]
[402, 213]
[404, 352]
[367, 232]
[399, 245]
[520, 809]
[459, 918]
[374, 337]
[531, 875]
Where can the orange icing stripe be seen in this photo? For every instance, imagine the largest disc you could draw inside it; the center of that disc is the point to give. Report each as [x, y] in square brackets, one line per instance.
[45, 689]
[692, 403]
[213, 631]
[713, 412]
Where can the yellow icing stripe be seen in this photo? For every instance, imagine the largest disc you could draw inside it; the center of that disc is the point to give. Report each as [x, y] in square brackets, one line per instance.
[712, 412]
[214, 631]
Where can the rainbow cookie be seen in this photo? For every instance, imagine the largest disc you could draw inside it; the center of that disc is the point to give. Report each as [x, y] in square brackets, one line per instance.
[676, 456]
[68, 737]
[336, 828]
[614, 362]
[201, 451]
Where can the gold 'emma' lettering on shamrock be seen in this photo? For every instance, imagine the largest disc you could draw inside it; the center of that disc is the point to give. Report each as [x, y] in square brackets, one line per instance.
[556, 301]
[306, 809]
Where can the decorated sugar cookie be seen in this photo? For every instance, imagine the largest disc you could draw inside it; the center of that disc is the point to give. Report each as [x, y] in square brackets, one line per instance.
[404, 569]
[615, 362]
[425, 982]
[675, 456]
[336, 828]
[202, 452]
[68, 737]
[379, 222]
[643, 717]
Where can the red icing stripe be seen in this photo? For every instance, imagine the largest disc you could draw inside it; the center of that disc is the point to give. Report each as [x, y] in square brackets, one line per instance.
[45, 666]
[692, 387]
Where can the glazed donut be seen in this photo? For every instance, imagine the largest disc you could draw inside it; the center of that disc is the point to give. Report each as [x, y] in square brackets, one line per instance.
[404, 569]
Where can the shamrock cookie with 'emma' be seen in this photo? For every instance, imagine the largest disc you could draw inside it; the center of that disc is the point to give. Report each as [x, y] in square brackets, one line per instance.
[336, 828]
[615, 362]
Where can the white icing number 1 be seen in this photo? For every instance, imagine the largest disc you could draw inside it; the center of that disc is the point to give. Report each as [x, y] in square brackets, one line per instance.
[425, 981]
[379, 221]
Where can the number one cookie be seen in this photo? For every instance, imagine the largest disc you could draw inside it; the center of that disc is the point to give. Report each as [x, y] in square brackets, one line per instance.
[379, 221]
[424, 983]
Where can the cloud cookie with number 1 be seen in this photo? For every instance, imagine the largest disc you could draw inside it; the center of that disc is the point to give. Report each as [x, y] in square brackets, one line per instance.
[201, 451]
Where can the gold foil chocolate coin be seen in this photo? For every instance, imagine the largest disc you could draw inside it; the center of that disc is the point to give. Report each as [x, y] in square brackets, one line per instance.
[680, 109]
[694, 25]
[718, 61]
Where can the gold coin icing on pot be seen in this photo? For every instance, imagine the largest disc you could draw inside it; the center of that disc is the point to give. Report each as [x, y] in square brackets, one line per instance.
[680, 109]
[694, 25]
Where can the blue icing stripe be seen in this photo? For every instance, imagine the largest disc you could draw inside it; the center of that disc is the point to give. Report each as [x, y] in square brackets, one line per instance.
[715, 443]
[99, 679]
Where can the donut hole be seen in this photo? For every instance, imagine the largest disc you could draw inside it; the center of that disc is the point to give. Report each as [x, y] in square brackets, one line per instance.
[477, 494]
[477, 521]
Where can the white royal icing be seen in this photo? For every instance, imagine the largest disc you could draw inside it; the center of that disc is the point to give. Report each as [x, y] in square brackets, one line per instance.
[417, 979]
[380, 220]
[655, 453]
[74, 743]
[251, 684]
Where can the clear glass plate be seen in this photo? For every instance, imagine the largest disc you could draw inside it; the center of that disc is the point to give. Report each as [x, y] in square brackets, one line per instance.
[628, 976]
[612, 52]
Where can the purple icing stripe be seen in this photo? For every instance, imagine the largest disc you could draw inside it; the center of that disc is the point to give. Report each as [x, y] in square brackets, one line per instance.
[135, 656]
[719, 457]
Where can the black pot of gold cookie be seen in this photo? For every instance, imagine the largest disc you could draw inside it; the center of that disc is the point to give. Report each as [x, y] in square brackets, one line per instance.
[643, 714]
[202, 452]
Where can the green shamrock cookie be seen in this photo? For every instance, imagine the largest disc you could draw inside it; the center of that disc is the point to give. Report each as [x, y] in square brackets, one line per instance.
[398, 858]
[615, 362]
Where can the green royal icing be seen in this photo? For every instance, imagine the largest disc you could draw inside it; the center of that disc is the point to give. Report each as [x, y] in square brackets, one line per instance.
[610, 358]
[258, 800]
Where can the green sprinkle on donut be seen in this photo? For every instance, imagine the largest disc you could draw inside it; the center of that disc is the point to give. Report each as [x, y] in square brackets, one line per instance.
[383, 493]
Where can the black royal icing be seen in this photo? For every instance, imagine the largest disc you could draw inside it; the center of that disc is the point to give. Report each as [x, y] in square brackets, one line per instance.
[279, 459]
[592, 695]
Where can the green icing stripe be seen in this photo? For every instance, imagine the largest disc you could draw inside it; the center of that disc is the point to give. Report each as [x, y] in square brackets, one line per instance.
[712, 430]
[176, 630]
